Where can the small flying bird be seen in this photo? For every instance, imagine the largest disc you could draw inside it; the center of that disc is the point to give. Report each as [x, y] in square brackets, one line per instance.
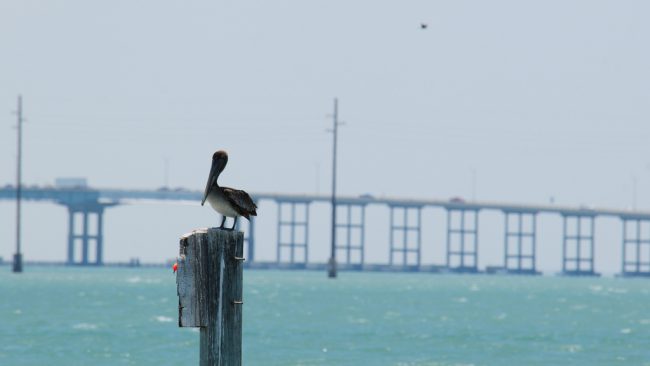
[423, 25]
[228, 202]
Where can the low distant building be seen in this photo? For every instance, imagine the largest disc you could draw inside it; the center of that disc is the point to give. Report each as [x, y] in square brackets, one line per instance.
[71, 183]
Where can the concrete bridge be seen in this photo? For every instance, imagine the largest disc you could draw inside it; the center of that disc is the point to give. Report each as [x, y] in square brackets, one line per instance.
[462, 241]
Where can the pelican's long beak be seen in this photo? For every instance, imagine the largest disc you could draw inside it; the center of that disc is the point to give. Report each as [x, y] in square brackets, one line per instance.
[214, 173]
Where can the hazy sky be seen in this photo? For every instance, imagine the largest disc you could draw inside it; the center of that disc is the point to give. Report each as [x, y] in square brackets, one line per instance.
[540, 99]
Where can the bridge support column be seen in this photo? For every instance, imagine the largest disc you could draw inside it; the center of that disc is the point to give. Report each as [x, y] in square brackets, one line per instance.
[70, 235]
[578, 245]
[99, 256]
[350, 234]
[520, 242]
[293, 232]
[83, 238]
[462, 239]
[405, 236]
[636, 247]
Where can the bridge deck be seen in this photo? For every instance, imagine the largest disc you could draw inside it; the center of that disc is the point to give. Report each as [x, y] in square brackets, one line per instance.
[123, 196]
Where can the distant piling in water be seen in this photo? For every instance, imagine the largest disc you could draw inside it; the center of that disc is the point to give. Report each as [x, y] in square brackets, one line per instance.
[210, 286]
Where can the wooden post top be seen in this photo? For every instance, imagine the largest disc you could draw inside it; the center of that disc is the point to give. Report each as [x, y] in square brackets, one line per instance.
[203, 256]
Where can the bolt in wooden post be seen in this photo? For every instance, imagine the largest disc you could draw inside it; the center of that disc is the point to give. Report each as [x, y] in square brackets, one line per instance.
[209, 283]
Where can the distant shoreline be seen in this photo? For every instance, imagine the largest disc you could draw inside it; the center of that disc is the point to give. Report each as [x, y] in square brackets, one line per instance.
[105, 264]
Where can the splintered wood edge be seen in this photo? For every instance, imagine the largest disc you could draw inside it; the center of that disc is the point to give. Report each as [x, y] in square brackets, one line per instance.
[195, 231]
[204, 230]
[185, 285]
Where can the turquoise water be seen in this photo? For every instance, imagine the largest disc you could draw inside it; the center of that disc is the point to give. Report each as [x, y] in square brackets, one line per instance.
[103, 316]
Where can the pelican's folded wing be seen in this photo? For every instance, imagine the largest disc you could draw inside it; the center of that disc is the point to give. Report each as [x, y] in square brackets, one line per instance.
[241, 202]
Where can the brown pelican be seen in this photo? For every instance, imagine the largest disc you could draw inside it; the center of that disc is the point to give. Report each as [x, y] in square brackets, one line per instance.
[228, 202]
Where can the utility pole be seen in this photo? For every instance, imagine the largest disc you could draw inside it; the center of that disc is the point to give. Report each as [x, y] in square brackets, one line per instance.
[18, 257]
[335, 120]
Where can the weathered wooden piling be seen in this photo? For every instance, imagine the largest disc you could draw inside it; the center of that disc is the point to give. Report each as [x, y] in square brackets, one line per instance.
[209, 283]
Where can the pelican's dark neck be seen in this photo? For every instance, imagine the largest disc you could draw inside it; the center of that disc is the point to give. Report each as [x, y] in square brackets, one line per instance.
[218, 165]
[216, 178]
